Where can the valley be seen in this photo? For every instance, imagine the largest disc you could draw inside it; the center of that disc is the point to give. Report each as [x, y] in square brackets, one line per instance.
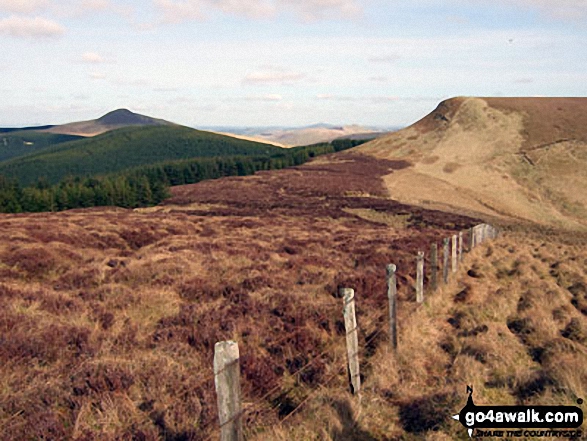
[110, 315]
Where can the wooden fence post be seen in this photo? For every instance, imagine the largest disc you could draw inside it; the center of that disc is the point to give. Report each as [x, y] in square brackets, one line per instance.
[460, 246]
[420, 277]
[352, 339]
[454, 254]
[227, 382]
[392, 297]
[434, 266]
[445, 259]
[471, 238]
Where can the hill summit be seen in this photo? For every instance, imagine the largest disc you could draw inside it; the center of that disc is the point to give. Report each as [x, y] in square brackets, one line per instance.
[520, 158]
[127, 118]
[116, 119]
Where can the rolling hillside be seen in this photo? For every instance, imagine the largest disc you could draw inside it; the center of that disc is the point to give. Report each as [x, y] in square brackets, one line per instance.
[110, 315]
[125, 148]
[23, 142]
[292, 137]
[515, 158]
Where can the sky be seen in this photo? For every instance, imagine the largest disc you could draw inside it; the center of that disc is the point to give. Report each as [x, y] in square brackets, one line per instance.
[281, 62]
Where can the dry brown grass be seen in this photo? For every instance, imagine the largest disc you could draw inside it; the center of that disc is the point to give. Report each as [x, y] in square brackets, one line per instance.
[109, 317]
[513, 158]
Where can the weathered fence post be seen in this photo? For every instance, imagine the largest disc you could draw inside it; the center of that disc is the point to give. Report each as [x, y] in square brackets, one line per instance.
[420, 277]
[352, 339]
[445, 260]
[454, 254]
[434, 266]
[460, 246]
[392, 297]
[227, 382]
[471, 238]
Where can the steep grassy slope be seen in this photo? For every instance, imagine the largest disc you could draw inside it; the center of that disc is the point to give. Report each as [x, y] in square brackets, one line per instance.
[291, 137]
[522, 158]
[20, 143]
[124, 148]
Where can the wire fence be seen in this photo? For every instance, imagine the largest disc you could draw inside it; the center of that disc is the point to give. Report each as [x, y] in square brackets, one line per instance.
[268, 405]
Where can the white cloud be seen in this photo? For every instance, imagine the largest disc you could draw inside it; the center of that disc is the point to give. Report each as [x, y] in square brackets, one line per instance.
[98, 76]
[560, 9]
[177, 11]
[78, 9]
[368, 99]
[165, 89]
[273, 76]
[565, 9]
[384, 59]
[248, 8]
[96, 5]
[268, 97]
[324, 96]
[92, 58]
[22, 6]
[311, 10]
[132, 82]
[26, 27]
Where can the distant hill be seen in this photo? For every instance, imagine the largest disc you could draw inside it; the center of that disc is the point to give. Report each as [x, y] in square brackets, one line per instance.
[125, 148]
[297, 136]
[116, 119]
[24, 142]
[523, 158]
[24, 129]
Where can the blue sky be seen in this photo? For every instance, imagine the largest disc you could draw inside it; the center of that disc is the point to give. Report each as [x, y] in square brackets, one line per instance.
[281, 62]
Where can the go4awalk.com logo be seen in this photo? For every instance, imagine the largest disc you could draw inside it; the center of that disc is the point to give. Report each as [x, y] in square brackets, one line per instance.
[520, 421]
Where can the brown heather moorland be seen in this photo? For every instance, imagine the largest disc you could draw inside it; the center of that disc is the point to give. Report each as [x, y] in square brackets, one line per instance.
[109, 317]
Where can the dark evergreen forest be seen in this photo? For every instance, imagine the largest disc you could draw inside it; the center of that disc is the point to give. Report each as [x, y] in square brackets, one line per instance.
[149, 184]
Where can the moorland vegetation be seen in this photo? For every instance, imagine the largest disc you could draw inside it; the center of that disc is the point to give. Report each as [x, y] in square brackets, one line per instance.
[109, 316]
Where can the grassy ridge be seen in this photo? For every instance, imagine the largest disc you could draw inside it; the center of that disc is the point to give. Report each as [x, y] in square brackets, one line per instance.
[24, 142]
[125, 148]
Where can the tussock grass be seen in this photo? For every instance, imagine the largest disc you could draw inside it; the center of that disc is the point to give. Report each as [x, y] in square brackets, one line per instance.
[108, 326]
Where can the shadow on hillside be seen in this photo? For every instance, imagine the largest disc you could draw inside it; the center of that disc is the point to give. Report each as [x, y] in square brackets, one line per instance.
[350, 429]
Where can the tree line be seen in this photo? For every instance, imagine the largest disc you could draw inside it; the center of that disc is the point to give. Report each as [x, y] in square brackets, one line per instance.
[147, 185]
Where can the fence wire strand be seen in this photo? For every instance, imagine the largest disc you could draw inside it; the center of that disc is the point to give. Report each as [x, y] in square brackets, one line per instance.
[263, 408]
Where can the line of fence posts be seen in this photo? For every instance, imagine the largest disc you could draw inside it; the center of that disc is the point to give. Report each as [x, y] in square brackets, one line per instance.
[226, 353]
[420, 277]
[454, 260]
[445, 252]
[434, 266]
[392, 298]
[352, 339]
[228, 392]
